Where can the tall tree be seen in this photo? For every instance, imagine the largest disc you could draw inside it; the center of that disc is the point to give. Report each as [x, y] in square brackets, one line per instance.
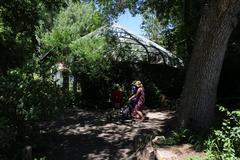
[219, 17]
[72, 23]
[175, 21]
[19, 20]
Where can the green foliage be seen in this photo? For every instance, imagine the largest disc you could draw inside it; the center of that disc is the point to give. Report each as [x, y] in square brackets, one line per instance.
[183, 135]
[72, 23]
[18, 21]
[29, 98]
[175, 137]
[112, 8]
[42, 158]
[224, 144]
[85, 55]
[26, 98]
[92, 66]
[90, 57]
[178, 136]
[164, 33]
[200, 158]
[24, 102]
[153, 96]
[7, 136]
[171, 23]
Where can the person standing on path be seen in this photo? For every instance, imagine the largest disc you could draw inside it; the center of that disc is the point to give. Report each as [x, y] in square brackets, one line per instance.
[140, 99]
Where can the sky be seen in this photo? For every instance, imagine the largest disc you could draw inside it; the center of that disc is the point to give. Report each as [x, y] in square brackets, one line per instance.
[131, 23]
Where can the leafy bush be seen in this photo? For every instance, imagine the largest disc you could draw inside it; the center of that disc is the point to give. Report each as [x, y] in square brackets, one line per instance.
[25, 101]
[178, 136]
[92, 67]
[152, 94]
[7, 137]
[83, 53]
[28, 98]
[224, 144]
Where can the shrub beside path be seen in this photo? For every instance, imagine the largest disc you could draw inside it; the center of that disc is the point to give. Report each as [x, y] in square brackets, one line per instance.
[88, 135]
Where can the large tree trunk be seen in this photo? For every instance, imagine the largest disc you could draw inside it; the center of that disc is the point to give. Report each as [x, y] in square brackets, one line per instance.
[200, 88]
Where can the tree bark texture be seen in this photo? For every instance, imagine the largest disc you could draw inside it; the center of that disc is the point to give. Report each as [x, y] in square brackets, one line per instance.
[198, 98]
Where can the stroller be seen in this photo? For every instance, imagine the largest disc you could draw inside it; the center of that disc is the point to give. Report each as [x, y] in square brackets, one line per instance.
[122, 113]
[126, 111]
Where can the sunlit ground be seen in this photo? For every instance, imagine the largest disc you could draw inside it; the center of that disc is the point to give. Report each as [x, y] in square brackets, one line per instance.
[90, 135]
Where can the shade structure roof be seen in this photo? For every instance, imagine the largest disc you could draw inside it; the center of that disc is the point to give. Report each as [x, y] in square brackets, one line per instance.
[136, 46]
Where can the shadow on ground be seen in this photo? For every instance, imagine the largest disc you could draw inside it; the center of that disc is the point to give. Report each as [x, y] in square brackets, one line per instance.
[85, 135]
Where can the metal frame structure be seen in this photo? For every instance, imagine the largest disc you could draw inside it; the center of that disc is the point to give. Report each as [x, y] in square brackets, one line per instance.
[142, 48]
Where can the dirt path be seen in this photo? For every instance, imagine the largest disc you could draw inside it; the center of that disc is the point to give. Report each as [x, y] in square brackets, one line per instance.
[85, 135]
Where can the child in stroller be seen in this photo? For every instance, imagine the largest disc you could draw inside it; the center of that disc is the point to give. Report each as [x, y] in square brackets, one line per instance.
[117, 96]
[121, 111]
[126, 111]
